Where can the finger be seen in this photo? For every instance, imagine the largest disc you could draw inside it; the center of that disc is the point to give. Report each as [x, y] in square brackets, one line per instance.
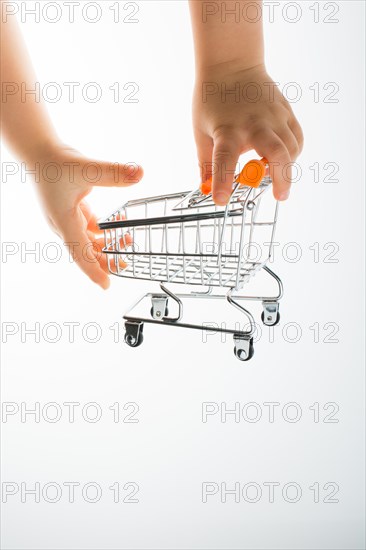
[102, 258]
[86, 210]
[94, 227]
[124, 242]
[110, 174]
[226, 153]
[204, 153]
[99, 243]
[84, 252]
[114, 259]
[270, 145]
[292, 146]
[298, 133]
[288, 138]
[91, 219]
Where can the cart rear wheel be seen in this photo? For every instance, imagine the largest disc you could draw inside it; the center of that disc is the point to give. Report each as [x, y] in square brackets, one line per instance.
[278, 317]
[241, 355]
[165, 314]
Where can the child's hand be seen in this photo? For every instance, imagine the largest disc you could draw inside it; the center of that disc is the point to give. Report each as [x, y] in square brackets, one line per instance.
[63, 176]
[66, 178]
[234, 112]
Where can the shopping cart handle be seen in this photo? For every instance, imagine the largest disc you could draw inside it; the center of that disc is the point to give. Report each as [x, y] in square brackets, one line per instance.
[252, 174]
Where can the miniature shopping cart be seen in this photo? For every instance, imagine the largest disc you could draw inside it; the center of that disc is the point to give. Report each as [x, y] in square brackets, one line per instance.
[185, 238]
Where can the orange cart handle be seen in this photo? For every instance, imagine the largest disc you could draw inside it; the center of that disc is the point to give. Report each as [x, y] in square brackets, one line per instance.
[252, 174]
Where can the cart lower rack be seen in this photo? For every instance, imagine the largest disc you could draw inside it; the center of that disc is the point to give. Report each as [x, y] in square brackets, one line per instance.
[184, 238]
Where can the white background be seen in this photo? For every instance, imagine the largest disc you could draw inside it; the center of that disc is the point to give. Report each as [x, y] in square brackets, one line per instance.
[170, 452]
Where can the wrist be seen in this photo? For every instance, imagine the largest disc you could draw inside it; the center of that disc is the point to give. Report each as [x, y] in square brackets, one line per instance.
[233, 68]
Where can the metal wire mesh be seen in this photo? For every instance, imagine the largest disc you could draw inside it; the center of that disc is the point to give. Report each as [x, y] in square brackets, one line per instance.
[186, 238]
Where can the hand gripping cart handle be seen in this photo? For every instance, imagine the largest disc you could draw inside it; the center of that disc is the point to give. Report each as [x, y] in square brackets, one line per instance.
[185, 238]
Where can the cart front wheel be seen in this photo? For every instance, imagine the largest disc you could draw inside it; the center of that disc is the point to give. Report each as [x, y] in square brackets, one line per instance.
[240, 353]
[134, 335]
[132, 341]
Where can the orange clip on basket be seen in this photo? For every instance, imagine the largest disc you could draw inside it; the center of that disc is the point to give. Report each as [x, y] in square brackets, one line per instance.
[252, 174]
[206, 186]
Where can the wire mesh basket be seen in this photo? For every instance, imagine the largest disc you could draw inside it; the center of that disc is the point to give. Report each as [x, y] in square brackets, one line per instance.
[186, 238]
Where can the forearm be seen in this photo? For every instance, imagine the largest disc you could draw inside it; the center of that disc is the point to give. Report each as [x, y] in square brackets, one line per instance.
[225, 39]
[25, 124]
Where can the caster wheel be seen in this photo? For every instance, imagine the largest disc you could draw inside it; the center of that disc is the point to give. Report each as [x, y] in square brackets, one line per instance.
[165, 314]
[132, 341]
[240, 354]
[278, 317]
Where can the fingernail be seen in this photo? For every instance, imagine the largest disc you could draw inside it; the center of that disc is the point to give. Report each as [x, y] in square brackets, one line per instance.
[284, 195]
[221, 198]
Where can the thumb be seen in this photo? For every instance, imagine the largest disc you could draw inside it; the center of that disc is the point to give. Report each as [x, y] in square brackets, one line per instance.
[110, 174]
